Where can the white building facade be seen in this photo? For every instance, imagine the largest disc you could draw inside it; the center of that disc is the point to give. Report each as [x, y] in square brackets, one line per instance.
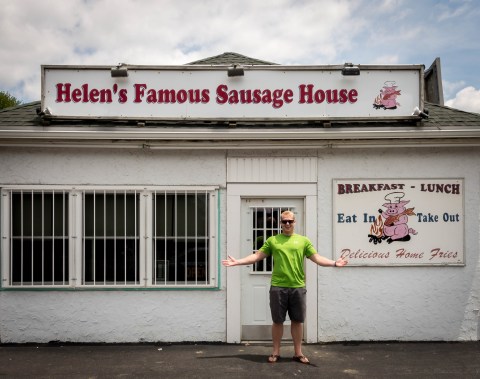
[113, 229]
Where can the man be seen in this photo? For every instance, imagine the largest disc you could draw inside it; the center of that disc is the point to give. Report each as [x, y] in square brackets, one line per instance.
[287, 291]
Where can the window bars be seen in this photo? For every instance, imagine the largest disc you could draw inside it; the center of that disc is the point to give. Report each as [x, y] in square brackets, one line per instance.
[265, 223]
[181, 237]
[110, 238]
[39, 238]
[117, 237]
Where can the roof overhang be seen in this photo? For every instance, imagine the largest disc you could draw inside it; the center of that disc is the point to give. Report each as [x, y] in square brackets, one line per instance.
[244, 138]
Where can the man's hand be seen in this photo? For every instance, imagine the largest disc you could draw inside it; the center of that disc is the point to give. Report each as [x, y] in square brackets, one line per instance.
[230, 261]
[340, 262]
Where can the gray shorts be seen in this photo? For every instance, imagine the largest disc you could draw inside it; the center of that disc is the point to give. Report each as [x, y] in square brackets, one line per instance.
[291, 300]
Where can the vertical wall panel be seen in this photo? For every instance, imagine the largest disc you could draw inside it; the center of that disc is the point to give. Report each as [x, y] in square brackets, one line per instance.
[272, 170]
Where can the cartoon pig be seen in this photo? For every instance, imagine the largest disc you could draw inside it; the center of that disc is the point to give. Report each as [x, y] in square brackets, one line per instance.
[395, 226]
[389, 96]
[387, 99]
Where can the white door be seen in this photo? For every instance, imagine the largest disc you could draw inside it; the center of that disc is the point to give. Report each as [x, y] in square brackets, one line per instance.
[260, 219]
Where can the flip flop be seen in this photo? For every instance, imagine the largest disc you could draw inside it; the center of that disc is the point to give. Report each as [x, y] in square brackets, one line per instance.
[273, 358]
[302, 359]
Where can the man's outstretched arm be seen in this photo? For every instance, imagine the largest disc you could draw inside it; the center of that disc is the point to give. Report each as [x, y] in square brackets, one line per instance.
[325, 262]
[248, 260]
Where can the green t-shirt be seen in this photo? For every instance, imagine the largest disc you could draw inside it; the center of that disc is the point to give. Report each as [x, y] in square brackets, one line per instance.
[288, 254]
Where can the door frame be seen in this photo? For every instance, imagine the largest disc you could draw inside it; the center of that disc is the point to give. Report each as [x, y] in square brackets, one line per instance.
[235, 194]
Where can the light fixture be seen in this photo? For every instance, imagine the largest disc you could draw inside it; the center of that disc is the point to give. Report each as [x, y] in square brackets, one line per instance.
[119, 71]
[418, 112]
[350, 69]
[235, 70]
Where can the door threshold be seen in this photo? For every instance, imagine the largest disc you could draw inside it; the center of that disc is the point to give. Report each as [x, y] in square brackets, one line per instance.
[286, 342]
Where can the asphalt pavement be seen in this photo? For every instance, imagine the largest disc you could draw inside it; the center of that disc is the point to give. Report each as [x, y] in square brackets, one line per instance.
[338, 360]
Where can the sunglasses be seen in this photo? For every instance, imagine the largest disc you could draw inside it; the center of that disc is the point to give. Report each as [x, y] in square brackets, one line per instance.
[288, 221]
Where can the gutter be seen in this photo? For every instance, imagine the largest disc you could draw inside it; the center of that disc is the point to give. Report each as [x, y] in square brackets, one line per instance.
[240, 138]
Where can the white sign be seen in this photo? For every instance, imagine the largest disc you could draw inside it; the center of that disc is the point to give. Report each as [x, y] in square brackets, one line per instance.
[399, 221]
[207, 93]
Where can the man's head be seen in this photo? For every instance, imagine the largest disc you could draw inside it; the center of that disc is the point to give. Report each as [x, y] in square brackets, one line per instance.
[287, 220]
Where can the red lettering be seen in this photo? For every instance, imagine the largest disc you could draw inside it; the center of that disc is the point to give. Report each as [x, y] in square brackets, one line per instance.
[277, 98]
[63, 92]
[205, 96]
[182, 96]
[94, 95]
[77, 95]
[122, 96]
[139, 92]
[151, 96]
[352, 96]
[437, 253]
[257, 96]
[402, 253]
[288, 96]
[306, 94]
[332, 96]
[343, 96]
[319, 96]
[222, 96]
[85, 93]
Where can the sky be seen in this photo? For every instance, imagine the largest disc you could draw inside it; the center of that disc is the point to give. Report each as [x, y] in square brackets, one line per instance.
[176, 32]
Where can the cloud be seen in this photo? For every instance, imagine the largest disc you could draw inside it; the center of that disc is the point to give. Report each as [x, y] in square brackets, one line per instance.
[175, 32]
[166, 32]
[450, 89]
[467, 99]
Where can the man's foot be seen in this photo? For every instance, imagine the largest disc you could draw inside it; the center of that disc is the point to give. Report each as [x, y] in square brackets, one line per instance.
[302, 359]
[273, 358]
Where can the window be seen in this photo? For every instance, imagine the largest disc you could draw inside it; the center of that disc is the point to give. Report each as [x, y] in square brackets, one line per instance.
[265, 223]
[38, 238]
[181, 238]
[111, 238]
[98, 237]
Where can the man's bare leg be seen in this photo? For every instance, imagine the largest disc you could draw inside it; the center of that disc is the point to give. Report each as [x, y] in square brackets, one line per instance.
[277, 334]
[297, 336]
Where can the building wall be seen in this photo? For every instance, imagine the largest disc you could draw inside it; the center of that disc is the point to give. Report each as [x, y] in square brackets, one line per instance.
[120, 315]
[400, 303]
[354, 303]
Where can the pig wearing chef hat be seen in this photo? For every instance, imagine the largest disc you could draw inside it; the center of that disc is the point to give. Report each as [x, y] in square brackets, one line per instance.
[395, 217]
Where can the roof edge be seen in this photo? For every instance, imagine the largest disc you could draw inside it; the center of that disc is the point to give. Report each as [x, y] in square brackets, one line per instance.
[230, 58]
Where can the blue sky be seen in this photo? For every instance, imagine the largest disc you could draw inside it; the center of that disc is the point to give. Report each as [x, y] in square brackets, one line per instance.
[158, 32]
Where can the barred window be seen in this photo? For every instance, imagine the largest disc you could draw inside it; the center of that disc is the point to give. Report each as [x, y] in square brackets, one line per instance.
[265, 223]
[111, 238]
[38, 253]
[100, 237]
[181, 238]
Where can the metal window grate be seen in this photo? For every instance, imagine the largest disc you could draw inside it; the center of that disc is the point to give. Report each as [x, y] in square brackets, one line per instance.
[38, 253]
[265, 223]
[117, 236]
[181, 238]
[110, 238]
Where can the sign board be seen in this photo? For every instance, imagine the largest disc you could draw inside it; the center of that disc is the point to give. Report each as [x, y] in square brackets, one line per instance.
[388, 222]
[208, 93]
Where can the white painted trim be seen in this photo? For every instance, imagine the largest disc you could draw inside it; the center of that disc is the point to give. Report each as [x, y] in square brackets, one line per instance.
[235, 193]
[152, 138]
[6, 225]
[75, 238]
[311, 271]
[128, 188]
[233, 275]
